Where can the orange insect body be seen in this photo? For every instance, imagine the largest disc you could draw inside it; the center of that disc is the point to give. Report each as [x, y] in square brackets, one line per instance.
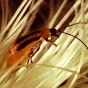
[26, 46]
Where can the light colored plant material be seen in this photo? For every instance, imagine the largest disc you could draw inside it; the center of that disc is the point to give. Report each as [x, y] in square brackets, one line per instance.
[52, 65]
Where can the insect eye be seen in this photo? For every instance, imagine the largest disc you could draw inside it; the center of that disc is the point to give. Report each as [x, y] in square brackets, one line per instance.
[54, 32]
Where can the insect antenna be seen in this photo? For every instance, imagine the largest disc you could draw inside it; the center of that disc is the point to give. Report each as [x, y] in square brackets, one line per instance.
[74, 37]
[73, 24]
[56, 33]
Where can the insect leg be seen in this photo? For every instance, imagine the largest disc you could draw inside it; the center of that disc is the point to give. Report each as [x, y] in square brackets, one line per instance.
[34, 50]
[50, 41]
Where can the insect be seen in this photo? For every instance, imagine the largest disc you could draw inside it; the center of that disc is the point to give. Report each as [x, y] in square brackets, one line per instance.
[28, 45]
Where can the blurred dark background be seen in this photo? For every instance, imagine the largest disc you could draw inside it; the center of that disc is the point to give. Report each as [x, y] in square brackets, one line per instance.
[44, 9]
